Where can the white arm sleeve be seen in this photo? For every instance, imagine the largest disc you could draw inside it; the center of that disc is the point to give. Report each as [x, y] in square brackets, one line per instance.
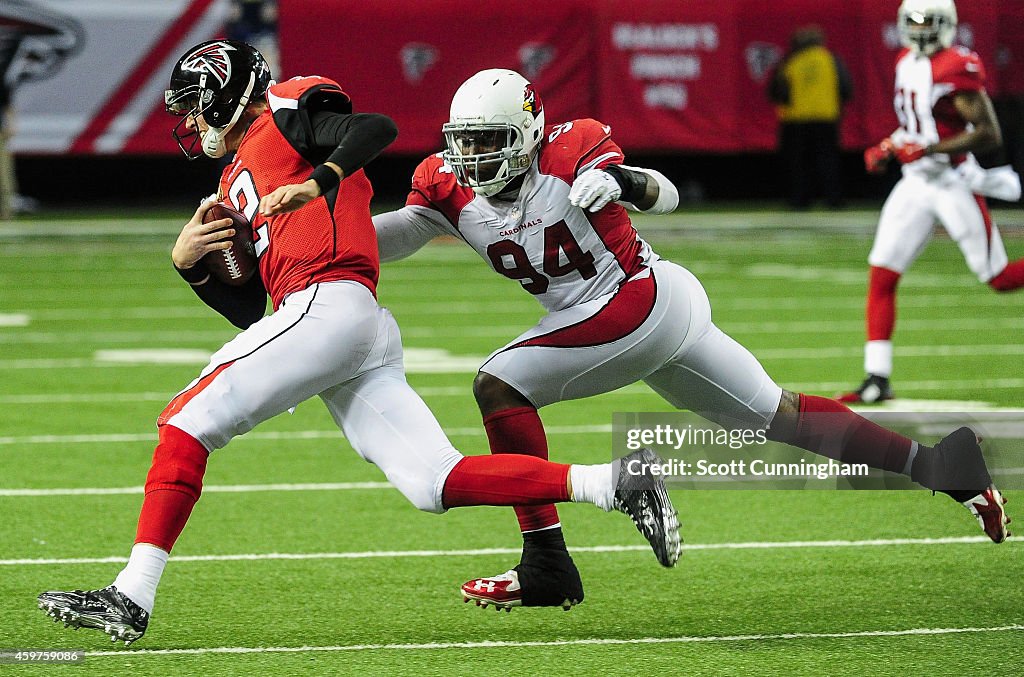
[405, 231]
[668, 196]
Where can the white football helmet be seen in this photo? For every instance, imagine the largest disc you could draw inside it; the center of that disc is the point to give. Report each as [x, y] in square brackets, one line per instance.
[495, 130]
[926, 26]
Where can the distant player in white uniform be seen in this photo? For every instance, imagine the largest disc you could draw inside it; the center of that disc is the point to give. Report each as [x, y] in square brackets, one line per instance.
[546, 207]
[945, 115]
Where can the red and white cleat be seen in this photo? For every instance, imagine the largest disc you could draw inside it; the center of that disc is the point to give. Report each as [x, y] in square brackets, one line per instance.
[988, 508]
[501, 591]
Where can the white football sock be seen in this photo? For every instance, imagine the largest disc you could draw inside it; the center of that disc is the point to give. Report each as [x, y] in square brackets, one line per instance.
[139, 578]
[878, 358]
[593, 484]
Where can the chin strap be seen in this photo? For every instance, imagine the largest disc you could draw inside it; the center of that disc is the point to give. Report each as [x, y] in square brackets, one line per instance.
[213, 139]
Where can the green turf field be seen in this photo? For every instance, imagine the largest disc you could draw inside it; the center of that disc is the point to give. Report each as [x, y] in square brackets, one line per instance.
[289, 568]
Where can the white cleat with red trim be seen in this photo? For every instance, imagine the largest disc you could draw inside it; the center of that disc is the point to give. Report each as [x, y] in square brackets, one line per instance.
[501, 591]
[988, 508]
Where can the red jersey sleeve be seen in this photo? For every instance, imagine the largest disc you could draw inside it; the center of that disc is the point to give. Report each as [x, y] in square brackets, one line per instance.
[434, 187]
[574, 147]
[960, 68]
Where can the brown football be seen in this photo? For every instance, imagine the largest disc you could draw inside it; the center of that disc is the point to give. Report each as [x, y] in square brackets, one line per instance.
[236, 264]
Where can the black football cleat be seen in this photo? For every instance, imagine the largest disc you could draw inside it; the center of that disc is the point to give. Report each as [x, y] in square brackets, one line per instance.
[107, 610]
[642, 495]
[544, 578]
[873, 390]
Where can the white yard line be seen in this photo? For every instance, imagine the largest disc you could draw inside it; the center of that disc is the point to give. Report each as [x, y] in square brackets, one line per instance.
[588, 641]
[116, 438]
[465, 391]
[479, 552]
[216, 489]
[466, 364]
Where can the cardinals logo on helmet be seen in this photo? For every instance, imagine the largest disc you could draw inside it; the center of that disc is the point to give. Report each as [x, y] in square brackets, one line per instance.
[211, 59]
[531, 101]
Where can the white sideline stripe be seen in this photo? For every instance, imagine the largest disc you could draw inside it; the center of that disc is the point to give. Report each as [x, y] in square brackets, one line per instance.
[589, 641]
[376, 554]
[223, 489]
[108, 438]
[506, 332]
[68, 398]
[464, 391]
[425, 362]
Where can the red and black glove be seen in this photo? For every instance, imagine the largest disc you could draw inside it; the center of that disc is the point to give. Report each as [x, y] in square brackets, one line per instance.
[877, 157]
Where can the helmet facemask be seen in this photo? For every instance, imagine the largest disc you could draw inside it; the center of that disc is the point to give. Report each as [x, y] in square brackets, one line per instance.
[927, 27]
[485, 156]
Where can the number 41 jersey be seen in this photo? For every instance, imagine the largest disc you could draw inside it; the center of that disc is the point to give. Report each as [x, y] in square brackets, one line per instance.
[561, 254]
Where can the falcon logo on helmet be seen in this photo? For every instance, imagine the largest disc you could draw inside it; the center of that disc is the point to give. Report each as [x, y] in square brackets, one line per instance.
[212, 59]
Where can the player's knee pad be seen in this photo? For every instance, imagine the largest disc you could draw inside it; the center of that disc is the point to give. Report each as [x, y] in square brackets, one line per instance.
[179, 463]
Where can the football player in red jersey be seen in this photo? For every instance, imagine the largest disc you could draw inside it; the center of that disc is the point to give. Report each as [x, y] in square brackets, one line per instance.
[945, 115]
[296, 175]
[545, 205]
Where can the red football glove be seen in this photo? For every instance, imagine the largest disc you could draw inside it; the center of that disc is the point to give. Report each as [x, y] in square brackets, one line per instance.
[877, 157]
[910, 152]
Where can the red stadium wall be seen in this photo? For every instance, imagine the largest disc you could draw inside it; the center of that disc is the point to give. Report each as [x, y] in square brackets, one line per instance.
[667, 75]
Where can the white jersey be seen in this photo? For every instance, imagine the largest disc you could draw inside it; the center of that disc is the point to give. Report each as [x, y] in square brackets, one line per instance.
[561, 254]
[924, 102]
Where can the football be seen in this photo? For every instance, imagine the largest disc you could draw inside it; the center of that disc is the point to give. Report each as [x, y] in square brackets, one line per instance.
[236, 264]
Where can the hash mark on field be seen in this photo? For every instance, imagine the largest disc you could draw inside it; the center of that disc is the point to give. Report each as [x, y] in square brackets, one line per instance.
[590, 641]
[396, 554]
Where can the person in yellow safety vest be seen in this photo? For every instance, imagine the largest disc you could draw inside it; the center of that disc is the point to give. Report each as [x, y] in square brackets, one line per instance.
[810, 87]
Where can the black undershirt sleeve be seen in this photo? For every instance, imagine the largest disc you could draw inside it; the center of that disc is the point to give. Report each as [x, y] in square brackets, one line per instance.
[356, 138]
[243, 305]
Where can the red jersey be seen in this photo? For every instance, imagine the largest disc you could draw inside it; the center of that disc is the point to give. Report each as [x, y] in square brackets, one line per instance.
[330, 238]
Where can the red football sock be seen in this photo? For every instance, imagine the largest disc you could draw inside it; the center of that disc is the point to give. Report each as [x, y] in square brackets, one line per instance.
[1011, 278]
[829, 428]
[505, 479]
[520, 431]
[173, 486]
[881, 304]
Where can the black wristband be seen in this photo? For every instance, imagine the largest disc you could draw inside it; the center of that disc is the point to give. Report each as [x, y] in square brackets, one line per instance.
[193, 275]
[326, 178]
[633, 184]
